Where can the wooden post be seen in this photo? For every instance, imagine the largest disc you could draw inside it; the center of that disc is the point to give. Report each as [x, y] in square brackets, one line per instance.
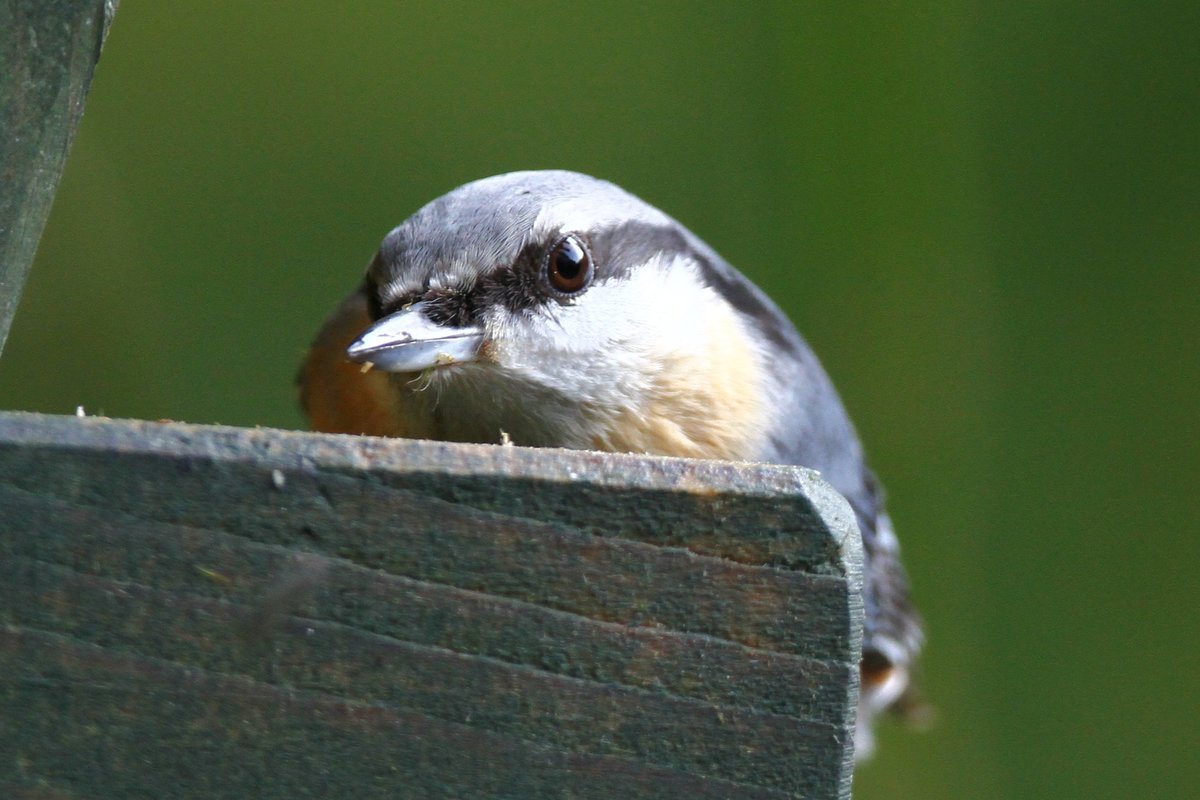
[194, 611]
[48, 49]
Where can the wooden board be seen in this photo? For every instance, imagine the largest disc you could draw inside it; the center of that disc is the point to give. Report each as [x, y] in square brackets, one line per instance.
[193, 611]
[48, 50]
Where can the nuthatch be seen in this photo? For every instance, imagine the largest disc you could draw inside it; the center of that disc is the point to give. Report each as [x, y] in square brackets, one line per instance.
[556, 310]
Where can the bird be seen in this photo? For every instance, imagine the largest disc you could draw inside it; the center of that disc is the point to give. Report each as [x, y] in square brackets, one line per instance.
[552, 309]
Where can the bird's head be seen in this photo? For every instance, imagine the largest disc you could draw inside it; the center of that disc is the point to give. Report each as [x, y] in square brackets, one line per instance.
[570, 294]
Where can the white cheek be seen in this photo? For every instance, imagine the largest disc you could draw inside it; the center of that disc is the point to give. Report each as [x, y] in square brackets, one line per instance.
[662, 306]
[609, 344]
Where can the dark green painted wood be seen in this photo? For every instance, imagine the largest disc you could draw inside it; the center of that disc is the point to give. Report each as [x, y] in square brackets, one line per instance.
[124, 726]
[48, 49]
[534, 599]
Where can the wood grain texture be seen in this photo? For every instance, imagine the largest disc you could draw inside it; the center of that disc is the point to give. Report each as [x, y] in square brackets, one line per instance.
[48, 50]
[231, 612]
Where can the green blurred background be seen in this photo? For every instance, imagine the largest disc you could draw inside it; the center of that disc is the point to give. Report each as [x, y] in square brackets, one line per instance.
[986, 219]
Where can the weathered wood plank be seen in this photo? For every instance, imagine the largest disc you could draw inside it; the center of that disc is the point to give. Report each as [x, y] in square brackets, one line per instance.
[532, 596]
[48, 49]
[607, 578]
[118, 723]
[214, 565]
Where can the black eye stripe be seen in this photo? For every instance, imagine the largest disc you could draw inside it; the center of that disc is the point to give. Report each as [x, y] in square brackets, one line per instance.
[612, 251]
[514, 287]
[615, 250]
[452, 307]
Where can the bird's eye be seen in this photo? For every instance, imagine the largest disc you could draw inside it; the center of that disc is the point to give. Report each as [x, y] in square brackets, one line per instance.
[568, 266]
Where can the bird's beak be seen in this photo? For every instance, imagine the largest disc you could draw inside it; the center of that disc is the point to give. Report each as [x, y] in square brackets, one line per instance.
[408, 341]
